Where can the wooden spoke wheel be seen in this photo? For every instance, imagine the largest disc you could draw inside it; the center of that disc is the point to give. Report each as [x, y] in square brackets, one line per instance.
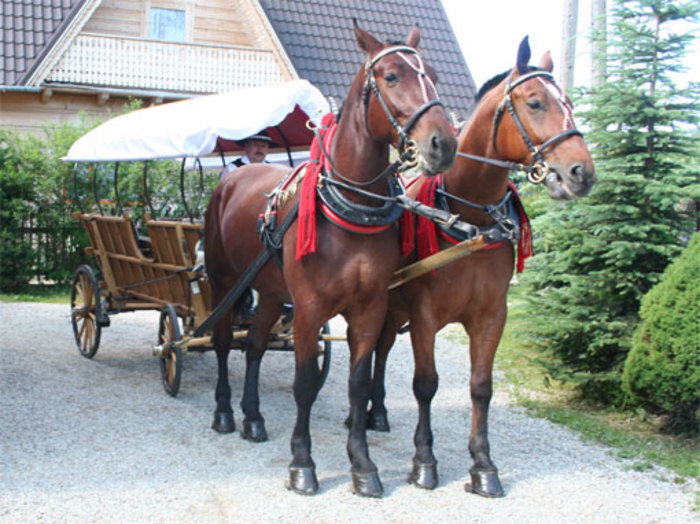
[324, 353]
[171, 357]
[85, 311]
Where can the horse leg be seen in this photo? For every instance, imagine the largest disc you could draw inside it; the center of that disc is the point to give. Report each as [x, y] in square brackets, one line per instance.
[377, 418]
[307, 382]
[483, 342]
[365, 477]
[265, 317]
[223, 416]
[425, 384]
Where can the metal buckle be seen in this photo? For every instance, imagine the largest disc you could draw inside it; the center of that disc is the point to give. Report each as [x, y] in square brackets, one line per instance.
[410, 153]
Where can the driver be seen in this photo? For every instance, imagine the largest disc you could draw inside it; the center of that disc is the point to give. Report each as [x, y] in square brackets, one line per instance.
[256, 149]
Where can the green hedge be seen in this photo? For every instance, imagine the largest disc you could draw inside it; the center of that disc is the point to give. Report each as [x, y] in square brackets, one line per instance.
[39, 193]
[662, 370]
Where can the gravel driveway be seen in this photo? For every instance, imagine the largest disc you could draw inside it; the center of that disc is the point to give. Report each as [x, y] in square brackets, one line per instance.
[100, 441]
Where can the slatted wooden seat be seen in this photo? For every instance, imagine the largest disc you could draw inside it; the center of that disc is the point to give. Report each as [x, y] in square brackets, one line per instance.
[174, 245]
[115, 245]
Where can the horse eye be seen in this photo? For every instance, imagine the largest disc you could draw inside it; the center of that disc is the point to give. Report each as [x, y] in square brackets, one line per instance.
[535, 104]
[391, 79]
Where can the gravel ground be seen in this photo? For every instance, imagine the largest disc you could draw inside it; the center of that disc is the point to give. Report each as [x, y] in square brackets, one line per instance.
[100, 441]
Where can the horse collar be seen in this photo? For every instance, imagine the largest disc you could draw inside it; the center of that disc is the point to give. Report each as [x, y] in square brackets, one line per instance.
[355, 217]
[503, 213]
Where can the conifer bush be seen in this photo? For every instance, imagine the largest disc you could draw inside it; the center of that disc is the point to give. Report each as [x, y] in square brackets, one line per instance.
[662, 370]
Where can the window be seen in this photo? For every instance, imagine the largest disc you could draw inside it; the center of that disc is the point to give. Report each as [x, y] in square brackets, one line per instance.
[166, 24]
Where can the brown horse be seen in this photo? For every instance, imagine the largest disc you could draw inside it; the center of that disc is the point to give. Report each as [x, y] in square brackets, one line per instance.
[392, 97]
[521, 116]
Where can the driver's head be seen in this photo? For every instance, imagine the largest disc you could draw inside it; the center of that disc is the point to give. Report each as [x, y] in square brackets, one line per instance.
[256, 150]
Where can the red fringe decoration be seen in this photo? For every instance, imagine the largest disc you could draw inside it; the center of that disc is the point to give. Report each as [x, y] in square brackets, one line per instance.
[306, 232]
[426, 233]
[406, 232]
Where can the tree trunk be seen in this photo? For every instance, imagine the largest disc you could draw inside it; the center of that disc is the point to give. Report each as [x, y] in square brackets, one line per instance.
[599, 42]
[568, 43]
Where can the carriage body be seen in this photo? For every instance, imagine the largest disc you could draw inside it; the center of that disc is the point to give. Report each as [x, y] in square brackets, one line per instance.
[159, 267]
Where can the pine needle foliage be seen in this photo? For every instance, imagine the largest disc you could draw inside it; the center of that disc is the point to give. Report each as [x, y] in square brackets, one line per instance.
[598, 256]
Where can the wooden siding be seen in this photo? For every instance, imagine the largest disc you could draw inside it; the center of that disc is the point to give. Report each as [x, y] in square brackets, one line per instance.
[25, 112]
[210, 21]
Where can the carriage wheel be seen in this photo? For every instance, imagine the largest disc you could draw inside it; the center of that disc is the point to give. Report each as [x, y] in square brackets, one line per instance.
[324, 354]
[171, 357]
[85, 311]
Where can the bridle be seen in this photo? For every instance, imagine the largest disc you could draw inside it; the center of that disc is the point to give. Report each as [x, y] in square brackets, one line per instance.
[407, 148]
[538, 169]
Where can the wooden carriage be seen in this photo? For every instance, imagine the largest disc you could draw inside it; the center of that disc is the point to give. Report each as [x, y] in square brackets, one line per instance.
[161, 270]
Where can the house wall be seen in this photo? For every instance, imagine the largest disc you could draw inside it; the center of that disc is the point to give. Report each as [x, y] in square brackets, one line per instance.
[223, 22]
[27, 113]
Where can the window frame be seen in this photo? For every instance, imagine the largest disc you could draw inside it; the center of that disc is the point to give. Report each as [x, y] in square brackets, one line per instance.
[172, 5]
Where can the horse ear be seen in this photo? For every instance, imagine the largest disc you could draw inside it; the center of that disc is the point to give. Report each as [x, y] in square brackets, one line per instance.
[365, 41]
[413, 37]
[523, 55]
[546, 62]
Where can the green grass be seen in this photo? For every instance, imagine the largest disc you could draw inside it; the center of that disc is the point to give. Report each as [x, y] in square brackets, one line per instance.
[40, 293]
[630, 435]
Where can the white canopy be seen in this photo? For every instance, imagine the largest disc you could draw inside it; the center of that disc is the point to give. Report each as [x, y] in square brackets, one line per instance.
[191, 128]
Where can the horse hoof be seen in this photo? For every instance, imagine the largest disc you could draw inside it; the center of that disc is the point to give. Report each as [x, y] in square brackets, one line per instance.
[485, 483]
[254, 430]
[303, 480]
[223, 423]
[367, 484]
[378, 422]
[424, 476]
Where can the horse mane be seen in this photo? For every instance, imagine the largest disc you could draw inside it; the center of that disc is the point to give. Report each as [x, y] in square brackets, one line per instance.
[493, 82]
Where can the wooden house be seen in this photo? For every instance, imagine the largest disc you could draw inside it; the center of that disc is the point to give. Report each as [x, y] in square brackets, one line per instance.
[63, 58]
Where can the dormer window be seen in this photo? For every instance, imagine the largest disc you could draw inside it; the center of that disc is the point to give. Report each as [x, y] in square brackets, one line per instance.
[167, 24]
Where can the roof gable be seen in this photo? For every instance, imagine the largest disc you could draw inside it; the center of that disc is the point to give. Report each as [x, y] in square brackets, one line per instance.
[319, 40]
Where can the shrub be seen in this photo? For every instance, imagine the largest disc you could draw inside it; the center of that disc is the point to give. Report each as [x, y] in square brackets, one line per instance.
[662, 370]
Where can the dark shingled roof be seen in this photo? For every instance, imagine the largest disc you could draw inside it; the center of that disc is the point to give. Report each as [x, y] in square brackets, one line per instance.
[319, 40]
[28, 28]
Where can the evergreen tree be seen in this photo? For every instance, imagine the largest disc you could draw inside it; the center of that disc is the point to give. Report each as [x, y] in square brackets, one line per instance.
[597, 257]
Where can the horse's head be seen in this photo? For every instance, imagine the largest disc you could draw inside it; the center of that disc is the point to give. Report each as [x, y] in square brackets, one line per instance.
[534, 123]
[401, 105]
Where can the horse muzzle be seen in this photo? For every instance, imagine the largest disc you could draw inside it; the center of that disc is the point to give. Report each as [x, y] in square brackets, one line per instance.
[437, 153]
[570, 182]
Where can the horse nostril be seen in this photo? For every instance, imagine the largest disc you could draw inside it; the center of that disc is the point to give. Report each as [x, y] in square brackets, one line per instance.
[441, 146]
[577, 172]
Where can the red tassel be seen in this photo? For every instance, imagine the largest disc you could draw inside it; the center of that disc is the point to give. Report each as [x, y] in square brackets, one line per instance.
[306, 231]
[426, 233]
[407, 234]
